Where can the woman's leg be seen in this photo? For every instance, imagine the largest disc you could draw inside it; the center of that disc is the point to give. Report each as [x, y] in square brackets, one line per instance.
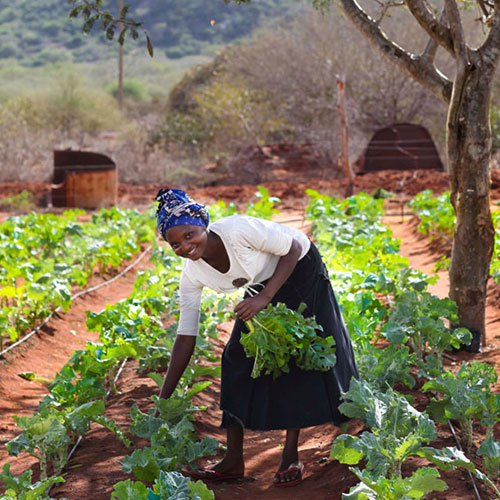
[290, 468]
[232, 463]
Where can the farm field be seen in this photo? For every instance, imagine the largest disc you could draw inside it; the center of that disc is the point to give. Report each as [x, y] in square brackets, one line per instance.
[95, 467]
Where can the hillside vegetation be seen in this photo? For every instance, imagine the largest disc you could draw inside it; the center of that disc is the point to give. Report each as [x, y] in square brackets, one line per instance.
[37, 33]
[206, 108]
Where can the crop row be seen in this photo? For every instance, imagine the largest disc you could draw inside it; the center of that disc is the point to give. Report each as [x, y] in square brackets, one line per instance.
[437, 222]
[45, 256]
[383, 298]
[130, 329]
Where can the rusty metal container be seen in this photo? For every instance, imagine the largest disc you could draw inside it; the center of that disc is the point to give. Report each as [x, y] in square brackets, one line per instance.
[84, 179]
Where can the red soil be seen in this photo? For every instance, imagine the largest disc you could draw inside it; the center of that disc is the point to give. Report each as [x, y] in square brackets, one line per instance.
[95, 466]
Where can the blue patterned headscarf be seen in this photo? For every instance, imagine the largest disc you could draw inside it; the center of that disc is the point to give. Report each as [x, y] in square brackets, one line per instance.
[175, 207]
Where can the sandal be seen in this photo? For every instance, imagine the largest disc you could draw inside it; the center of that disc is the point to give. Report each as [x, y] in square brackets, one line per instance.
[297, 467]
[208, 474]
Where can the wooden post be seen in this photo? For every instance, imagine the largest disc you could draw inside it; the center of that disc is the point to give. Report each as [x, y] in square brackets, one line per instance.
[343, 158]
[120, 60]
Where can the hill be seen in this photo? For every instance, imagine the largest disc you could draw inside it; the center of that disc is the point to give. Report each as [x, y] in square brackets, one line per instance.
[41, 33]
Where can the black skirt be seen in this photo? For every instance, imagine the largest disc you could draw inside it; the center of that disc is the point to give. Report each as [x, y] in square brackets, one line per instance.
[301, 398]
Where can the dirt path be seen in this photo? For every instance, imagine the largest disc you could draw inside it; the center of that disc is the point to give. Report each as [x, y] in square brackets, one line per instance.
[95, 466]
[45, 354]
[423, 256]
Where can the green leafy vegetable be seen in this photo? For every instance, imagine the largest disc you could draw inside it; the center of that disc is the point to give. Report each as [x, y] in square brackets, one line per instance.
[418, 485]
[278, 334]
[21, 488]
[466, 397]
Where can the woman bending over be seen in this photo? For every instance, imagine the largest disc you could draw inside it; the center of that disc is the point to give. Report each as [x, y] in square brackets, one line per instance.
[284, 266]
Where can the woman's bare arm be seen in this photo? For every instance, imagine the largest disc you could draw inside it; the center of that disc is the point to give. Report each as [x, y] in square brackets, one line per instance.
[182, 351]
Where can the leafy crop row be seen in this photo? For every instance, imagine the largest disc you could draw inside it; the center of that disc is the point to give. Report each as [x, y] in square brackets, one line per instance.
[44, 256]
[382, 297]
[437, 221]
[131, 329]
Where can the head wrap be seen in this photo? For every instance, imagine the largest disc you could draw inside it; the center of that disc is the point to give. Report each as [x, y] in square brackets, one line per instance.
[176, 208]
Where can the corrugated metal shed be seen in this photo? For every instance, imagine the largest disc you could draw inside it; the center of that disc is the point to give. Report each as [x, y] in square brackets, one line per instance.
[402, 146]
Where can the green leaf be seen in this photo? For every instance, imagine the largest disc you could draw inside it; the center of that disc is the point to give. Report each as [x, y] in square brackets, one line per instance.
[425, 481]
[278, 333]
[360, 492]
[199, 491]
[156, 377]
[129, 490]
[142, 463]
[489, 447]
[447, 458]
[344, 450]
[33, 377]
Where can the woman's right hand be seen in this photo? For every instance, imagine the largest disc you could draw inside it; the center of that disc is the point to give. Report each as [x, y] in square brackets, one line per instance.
[251, 306]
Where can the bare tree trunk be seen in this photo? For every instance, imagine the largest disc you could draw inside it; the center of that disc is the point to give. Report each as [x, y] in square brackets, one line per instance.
[469, 150]
[468, 134]
[120, 61]
[344, 152]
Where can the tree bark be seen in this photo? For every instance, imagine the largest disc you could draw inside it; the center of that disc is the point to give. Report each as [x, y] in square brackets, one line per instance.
[469, 149]
[344, 151]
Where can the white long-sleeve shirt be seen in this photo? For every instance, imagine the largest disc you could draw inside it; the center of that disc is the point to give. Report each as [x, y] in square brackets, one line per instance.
[254, 247]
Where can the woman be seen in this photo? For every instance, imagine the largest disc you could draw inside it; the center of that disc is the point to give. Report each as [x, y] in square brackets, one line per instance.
[275, 263]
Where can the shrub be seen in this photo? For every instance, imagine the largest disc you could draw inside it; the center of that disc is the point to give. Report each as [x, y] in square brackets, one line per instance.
[8, 50]
[221, 117]
[23, 202]
[72, 109]
[132, 89]
[23, 143]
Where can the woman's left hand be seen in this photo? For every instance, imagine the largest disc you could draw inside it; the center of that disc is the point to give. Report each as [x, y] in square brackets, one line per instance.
[249, 307]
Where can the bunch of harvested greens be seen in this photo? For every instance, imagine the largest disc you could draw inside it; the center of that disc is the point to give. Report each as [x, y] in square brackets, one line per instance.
[278, 333]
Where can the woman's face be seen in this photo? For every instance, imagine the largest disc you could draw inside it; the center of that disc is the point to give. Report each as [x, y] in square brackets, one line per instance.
[187, 241]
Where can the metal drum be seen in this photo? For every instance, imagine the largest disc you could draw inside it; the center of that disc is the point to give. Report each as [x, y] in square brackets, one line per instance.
[84, 179]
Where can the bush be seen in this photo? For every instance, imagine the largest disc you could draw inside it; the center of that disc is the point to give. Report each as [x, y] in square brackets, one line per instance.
[72, 109]
[8, 50]
[132, 89]
[23, 202]
[237, 115]
[186, 129]
[23, 143]
[49, 56]
[221, 118]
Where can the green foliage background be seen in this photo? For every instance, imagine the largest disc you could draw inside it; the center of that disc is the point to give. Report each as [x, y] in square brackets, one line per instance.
[41, 32]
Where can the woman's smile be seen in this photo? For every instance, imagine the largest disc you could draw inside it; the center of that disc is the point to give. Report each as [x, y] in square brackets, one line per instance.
[192, 253]
[187, 241]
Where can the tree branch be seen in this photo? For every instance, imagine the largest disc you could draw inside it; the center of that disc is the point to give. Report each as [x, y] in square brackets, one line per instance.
[415, 66]
[482, 6]
[431, 24]
[92, 13]
[429, 53]
[456, 31]
[385, 6]
[489, 52]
